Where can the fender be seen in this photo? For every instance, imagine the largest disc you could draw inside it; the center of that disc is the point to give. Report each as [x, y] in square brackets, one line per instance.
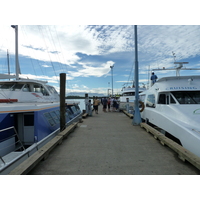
[143, 106]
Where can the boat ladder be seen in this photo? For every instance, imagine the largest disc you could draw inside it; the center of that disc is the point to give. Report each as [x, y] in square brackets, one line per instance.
[18, 143]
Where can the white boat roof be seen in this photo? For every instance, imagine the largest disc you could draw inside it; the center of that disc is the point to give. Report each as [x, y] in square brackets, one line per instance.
[132, 89]
[23, 81]
[178, 83]
[178, 78]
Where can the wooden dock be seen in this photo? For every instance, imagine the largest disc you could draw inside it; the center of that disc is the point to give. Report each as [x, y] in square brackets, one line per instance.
[108, 144]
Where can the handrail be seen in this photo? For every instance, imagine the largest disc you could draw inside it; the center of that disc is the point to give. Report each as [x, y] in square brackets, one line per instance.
[18, 140]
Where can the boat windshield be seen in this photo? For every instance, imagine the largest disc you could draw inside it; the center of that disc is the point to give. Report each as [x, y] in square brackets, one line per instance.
[11, 86]
[187, 97]
[6, 86]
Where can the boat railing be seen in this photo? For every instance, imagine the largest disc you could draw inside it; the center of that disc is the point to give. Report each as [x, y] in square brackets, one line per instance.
[17, 144]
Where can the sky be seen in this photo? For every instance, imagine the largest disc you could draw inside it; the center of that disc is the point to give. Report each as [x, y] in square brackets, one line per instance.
[86, 52]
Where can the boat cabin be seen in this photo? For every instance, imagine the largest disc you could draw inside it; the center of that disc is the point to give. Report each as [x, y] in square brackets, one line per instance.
[27, 91]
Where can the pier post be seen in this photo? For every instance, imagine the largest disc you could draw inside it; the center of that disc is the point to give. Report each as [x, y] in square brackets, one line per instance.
[62, 101]
[127, 105]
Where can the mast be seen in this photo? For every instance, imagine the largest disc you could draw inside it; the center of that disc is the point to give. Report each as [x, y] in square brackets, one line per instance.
[16, 51]
[8, 62]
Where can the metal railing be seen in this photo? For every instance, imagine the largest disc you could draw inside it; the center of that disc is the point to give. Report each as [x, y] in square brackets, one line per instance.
[18, 144]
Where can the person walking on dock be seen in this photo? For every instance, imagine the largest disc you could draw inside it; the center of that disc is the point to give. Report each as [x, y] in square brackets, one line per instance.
[114, 104]
[105, 102]
[109, 102]
[96, 103]
[153, 78]
[89, 108]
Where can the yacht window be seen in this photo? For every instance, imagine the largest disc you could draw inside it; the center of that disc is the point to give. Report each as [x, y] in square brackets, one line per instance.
[44, 91]
[129, 94]
[17, 86]
[6, 86]
[26, 88]
[162, 99]
[151, 101]
[55, 117]
[37, 88]
[50, 119]
[167, 97]
[54, 90]
[187, 97]
[172, 99]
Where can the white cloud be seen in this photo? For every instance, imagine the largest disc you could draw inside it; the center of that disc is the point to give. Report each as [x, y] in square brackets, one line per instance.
[46, 66]
[87, 71]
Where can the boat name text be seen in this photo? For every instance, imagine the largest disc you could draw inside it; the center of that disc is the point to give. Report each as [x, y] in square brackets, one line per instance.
[182, 88]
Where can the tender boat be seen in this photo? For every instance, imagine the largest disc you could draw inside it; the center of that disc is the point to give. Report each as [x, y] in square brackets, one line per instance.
[173, 104]
[29, 118]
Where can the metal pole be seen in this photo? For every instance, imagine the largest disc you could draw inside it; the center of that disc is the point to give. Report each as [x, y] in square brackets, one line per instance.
[16, 51]
[112, 81]
[137, 117]
[112, 78]
[62, 101]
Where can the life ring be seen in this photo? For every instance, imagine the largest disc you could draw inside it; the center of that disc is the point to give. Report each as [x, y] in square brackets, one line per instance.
[142, 103]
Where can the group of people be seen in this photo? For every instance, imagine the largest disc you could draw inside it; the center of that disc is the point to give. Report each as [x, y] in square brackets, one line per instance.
[111, 103]
[95, 104]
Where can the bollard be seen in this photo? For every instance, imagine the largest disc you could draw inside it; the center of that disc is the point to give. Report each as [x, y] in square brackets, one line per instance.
[127, 105]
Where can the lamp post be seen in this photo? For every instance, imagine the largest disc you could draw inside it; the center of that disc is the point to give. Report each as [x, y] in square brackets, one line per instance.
[112, 78]
[108, 92]
[137, 118]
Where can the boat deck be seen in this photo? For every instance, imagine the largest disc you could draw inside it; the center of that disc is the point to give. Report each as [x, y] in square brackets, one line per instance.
[108, 144]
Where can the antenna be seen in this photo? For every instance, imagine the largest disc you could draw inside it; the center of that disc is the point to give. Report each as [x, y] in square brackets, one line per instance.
[179, 67]
[174, 56]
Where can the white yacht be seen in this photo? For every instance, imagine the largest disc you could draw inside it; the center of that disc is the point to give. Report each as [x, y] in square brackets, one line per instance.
[173, 104]
[128, 95]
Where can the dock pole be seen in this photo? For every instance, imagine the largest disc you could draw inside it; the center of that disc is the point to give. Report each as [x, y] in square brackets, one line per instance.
[86, 103]
[62, 101]
[137, 117]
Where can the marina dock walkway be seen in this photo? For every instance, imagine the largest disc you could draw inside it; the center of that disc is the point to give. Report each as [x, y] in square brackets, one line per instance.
[108, 144]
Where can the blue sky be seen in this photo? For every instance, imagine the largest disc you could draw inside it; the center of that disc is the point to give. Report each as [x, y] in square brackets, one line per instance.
[86, 52]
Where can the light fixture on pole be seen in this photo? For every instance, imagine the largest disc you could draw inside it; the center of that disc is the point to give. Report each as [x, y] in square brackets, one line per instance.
[112, 78]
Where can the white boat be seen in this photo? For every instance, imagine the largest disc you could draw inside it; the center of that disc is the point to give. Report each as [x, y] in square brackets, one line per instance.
[173, 104]
[128, 96]
[29, 117]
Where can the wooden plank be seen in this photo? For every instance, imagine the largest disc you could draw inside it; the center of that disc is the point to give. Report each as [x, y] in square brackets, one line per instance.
[183, 153]
[84, 115]
[68, 130]
[128, 114]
